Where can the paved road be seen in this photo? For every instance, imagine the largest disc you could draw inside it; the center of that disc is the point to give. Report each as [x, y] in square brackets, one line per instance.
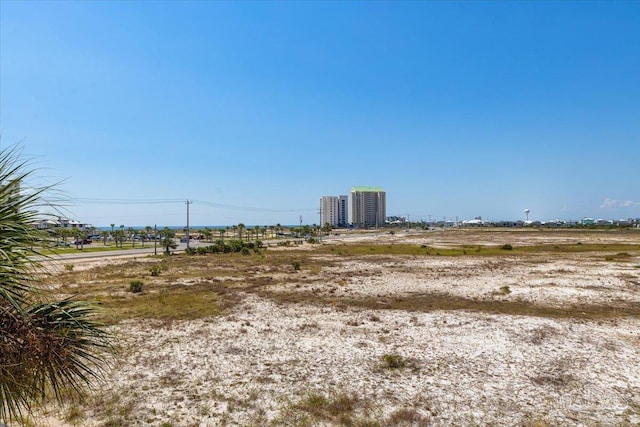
[148, 249]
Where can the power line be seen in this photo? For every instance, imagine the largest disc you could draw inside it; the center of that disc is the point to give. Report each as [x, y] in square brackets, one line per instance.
[101, 201]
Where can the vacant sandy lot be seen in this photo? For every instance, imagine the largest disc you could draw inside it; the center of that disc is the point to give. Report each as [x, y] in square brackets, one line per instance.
[370, 340]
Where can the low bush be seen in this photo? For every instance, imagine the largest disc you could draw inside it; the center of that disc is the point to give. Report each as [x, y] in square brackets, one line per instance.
[393, 361]
[506, 247]
[505, 290]
[136, 286]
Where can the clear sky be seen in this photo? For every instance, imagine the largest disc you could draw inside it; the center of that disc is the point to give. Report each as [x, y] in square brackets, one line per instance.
[255, 110]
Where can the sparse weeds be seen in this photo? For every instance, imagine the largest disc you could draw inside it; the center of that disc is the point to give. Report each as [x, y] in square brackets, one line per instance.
[406, 417]
[346, 409]
[335, 407]
[556, 375]
[69, 267]
[538, 335]
[169, 304]
[74, 414]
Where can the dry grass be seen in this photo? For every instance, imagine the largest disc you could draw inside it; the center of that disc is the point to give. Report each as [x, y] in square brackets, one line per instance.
[207, 284]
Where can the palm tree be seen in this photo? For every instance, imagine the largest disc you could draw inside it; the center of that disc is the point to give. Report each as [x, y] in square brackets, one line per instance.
[75, 232]
[132, 233]
[222, 231]
[167, 241]
[119, 237]
[241, 227]
[48, 347]
[112, 225]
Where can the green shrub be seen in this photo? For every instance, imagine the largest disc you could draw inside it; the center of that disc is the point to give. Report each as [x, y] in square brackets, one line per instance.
[296, 265]
[190, 251]
[393, 361]
[155, 270]
[506, 247]
[136, 286]
[245, 251]
[68, 267]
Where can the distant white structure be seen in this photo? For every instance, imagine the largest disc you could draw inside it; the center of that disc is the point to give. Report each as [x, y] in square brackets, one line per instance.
[368, 207]
[61, 222]
[526, 212]
[334, 210]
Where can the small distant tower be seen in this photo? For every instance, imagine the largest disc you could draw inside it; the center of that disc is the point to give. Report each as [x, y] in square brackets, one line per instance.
[526, 212]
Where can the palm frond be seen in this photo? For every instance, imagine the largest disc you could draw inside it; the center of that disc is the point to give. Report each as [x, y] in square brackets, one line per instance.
[45, 346]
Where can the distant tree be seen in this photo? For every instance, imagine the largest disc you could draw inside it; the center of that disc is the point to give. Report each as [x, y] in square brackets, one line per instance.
[104, 235]
[207, 234]
[75, 232]
[168, 241]
[222, 231]
[112, 225]
[119, 237]
[131, 232]
[48, 347]
[65, 233]
[241, 228]
[326, 228]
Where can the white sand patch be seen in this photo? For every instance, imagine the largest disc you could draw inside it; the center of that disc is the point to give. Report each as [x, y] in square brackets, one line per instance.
[466, 369]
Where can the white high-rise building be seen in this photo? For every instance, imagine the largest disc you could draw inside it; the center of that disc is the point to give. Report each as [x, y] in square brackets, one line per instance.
[368, 207]
[333, 210]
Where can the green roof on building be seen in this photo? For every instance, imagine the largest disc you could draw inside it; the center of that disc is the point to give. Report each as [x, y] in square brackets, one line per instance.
[367, 190]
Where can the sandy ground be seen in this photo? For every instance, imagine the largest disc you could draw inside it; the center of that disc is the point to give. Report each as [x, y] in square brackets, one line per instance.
[254, 365]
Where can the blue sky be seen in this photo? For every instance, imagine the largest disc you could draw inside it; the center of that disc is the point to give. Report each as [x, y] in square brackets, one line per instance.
[256, 109]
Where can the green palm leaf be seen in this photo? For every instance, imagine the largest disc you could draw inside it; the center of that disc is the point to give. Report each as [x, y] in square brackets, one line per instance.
[45, 346]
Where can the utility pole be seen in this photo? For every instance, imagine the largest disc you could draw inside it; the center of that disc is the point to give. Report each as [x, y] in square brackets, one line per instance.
[155, 239]
[188, 203]
[300, 221]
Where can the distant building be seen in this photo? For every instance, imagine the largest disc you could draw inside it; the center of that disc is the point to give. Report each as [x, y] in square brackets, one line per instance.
[587, 221]
[368, 207]
[61, 222]
[334, 210]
